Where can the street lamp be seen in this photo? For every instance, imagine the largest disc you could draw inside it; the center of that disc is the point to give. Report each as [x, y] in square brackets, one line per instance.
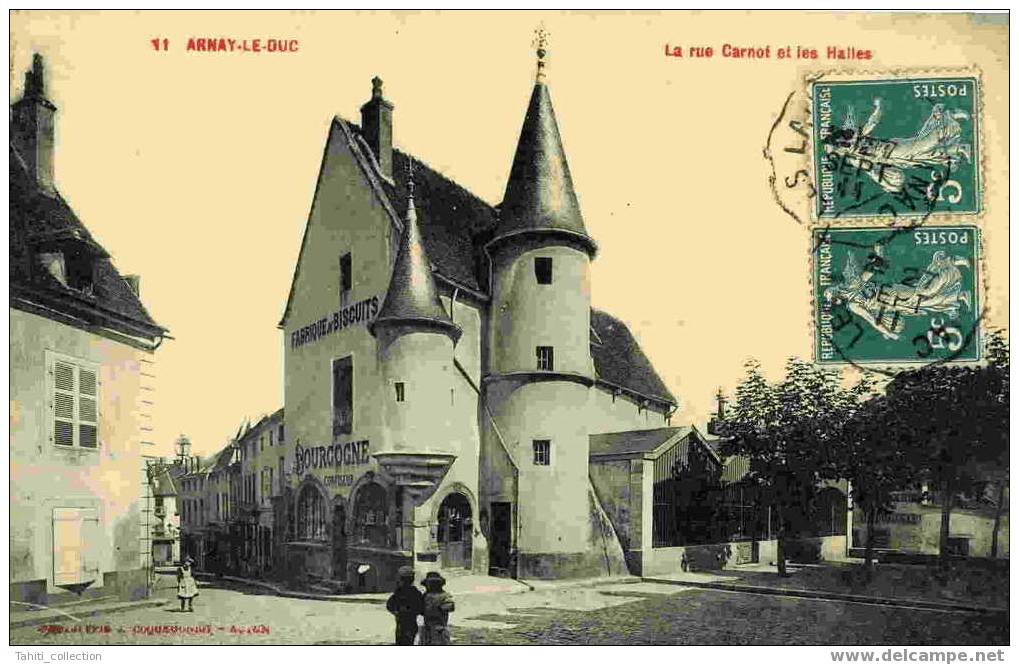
[183, 448]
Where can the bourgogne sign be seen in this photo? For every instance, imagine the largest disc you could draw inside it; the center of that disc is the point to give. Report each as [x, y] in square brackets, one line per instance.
[352, 453]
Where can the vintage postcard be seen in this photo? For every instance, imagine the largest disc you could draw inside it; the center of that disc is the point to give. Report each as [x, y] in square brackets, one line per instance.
[509, 328]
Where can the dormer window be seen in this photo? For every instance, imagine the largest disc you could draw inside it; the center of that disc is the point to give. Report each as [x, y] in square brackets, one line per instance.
[80, 266]
[69, 258]
[53, 263]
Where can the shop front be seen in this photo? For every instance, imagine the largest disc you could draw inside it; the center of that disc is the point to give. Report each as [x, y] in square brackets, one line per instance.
[349, 540]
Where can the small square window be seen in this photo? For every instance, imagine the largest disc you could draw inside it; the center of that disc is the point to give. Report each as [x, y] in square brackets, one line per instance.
[346, 276]
[542, 452]
[399, 391]
[545, 358]
[543, 269]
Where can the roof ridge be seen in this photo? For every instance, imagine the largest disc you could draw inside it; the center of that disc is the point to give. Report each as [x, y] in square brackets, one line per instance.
[427, 165]
[652, 429]
[444, 177]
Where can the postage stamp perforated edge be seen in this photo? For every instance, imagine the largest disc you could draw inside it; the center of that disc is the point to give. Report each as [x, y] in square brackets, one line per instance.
[815, 77]
[891, 367]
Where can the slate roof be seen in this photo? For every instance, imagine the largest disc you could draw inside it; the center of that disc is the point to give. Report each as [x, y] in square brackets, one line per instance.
[539, 192]
[223, 458]
[638, 443]
[618, 358]
[37, 217]
[453, 221]
[412, 296]
[455, 225]
[249, 430]
[634, 442]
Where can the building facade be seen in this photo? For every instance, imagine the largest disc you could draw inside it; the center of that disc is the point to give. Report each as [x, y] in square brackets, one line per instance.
[230, 503]
[261, 461]
[165, 535]
[82, 387]
[444, 369]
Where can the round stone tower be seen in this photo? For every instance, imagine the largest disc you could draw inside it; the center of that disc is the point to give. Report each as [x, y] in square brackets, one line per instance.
[415, 339]
[539, 358]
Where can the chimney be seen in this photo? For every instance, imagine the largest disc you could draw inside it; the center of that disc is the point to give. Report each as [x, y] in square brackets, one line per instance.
[33, 127]
[377, 128]
[135, 283]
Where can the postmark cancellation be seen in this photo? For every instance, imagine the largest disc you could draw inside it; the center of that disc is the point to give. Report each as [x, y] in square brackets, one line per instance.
[896, 295]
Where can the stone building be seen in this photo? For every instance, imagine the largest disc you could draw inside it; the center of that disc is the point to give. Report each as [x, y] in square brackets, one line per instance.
[445, 373]
[165, 515]
[262, 460]
[82, 374]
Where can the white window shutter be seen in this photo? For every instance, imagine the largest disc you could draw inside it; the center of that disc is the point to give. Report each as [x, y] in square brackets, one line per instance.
[88, 408]
[68, 558]
[63, 404]
[90, 540]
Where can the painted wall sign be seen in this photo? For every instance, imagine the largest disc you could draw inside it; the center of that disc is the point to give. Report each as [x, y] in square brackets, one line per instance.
[900, 518]
[352, 453]
[360, 312]
[344, 480]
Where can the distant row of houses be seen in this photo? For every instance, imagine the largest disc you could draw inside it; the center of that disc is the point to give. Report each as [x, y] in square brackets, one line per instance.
[229, 502]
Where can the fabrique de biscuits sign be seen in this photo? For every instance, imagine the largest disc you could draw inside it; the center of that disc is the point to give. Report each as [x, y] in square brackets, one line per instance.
[360, 312]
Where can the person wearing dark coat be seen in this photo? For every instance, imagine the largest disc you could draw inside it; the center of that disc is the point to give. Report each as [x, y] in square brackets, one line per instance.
[438, 605]
[406, 604]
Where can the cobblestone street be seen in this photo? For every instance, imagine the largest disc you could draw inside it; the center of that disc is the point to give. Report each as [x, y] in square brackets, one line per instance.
[706, 617]
[619, 614]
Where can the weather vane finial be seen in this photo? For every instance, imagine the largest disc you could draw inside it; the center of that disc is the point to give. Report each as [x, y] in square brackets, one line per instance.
[540, 44]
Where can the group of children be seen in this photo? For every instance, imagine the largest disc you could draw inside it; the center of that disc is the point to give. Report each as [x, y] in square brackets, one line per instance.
[407, 603]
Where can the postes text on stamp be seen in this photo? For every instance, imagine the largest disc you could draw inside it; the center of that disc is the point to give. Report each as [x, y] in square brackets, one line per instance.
[896, 295]
[896, 147]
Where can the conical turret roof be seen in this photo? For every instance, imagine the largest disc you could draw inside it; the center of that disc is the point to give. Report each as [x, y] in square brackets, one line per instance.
[539, 194]
[412, 298]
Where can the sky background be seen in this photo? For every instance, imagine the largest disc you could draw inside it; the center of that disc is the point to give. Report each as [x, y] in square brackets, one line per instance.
[197, 170]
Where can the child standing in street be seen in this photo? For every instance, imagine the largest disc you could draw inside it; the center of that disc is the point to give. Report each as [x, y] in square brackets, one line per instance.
[187, 587]
[438, 605]
[406, 604]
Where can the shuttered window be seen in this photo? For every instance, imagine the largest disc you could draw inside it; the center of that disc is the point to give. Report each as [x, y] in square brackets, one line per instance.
[75, 539]
[74, 402]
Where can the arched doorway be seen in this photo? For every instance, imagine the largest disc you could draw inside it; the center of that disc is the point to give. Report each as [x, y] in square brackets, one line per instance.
[339, 542]
[455, 531]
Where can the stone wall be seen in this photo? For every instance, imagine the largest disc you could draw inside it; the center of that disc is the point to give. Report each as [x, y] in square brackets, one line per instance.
[669, 560]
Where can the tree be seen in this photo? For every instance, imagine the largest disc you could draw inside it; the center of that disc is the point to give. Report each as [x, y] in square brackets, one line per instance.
[953, 423]
[869, 455]
[788, 432]
[993, 428]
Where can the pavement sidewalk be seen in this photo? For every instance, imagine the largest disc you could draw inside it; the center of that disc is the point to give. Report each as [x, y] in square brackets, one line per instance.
[723, 582]
[455, 584]
[37, 615]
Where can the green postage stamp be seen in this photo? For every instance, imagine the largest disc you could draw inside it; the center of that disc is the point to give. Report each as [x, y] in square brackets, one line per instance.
[896, 295]
[896, 147]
